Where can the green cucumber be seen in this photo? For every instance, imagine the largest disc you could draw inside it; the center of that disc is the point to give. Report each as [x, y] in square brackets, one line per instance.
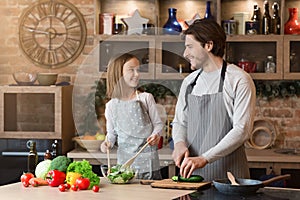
[192, 179]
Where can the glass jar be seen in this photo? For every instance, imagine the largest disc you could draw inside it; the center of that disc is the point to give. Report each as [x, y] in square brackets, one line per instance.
[270, 65]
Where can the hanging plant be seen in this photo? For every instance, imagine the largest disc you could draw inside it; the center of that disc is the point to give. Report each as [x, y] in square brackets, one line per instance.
[277, 89]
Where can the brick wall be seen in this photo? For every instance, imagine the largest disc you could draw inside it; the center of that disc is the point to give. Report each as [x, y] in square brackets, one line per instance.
[11, 57]
[284, 112]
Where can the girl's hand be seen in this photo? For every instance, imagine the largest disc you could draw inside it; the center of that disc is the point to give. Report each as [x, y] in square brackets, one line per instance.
[153, 139]
[104, 146]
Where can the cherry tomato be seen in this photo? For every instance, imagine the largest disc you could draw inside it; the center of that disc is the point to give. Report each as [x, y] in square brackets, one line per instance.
[34, 183]
[68, 186]
[62, 187]
[25, 184]
[74, 187]
[26, 177]
[96, 188]
[82, 183]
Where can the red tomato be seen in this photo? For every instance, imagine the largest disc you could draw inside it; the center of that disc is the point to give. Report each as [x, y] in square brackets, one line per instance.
[68, 186]
[74, 187]
[26, 177]
[96, 188]
[62, 187]
[82, 183]
[25, 184]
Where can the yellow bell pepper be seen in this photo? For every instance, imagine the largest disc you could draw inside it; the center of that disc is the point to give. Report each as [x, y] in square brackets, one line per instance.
[71, 177]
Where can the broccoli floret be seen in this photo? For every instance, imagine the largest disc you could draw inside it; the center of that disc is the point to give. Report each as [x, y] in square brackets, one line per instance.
[60, 163]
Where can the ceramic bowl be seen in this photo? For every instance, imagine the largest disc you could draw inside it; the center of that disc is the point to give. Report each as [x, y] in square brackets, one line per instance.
[24, 78]
[47, 79]
[88, 144]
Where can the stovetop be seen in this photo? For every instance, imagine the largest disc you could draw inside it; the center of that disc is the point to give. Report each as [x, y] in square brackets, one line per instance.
[262, 194]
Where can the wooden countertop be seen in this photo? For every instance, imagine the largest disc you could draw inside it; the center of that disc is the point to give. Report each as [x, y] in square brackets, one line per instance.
[133, 191]
[269, 155]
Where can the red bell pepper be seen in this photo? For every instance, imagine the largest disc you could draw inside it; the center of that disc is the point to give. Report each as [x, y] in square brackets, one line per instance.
[55, 178]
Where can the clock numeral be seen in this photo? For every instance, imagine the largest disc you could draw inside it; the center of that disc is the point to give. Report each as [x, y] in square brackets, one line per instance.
[29, 44]
[62, 13]
[52, 57]
[32, 19]
[71, 23]
[66, 14]
[30, 49]
[26, 35]
[42, 10]
[53, 8]
[63, 52]
[71, 45]
[75, 34]
[39, 55]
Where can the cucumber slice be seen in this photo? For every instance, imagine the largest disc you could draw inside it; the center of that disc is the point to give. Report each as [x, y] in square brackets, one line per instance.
[192, 179]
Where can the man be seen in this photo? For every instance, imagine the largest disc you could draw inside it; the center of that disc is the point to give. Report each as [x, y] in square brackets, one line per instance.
[215, 108]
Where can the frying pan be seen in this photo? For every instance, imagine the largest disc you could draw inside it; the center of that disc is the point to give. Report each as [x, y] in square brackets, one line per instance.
[246, 186]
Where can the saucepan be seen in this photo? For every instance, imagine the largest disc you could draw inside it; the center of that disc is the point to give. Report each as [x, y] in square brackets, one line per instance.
[245, 186]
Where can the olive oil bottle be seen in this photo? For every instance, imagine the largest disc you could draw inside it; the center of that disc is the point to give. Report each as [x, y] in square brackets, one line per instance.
[32, 159]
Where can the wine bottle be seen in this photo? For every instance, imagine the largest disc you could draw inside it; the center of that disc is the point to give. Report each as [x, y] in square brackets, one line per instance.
[256, 17]
[275, 22]
[32, 158]
[266, 20]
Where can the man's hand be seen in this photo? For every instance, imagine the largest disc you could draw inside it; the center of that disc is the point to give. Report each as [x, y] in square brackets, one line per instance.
[180, 151]
[189, 164]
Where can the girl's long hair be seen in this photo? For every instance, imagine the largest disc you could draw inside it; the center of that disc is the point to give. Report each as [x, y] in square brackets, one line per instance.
[116, 87]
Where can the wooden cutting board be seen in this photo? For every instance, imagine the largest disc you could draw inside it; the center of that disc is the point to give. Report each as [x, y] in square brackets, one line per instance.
[170, 184]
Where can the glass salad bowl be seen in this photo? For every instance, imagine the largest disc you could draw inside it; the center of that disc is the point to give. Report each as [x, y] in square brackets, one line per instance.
[24, 78]
[118, 175]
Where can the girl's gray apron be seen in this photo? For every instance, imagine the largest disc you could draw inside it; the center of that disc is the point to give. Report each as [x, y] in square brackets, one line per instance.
[208, 123]
[133, 126]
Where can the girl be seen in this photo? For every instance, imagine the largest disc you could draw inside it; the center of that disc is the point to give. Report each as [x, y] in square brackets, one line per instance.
[132, 118]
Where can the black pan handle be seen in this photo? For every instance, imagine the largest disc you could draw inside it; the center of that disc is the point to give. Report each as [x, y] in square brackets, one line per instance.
[276, 178]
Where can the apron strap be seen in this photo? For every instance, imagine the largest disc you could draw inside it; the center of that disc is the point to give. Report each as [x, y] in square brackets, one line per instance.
[224, 66]
[190, 87]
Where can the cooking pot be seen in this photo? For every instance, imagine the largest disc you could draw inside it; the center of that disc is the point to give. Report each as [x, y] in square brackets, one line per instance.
[246, 186]
[248, 66]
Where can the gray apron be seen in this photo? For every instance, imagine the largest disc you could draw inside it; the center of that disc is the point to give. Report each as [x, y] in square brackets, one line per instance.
[208, 123]
[133, 125]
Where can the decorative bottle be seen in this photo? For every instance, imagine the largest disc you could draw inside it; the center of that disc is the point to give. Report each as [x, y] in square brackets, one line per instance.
[292, 25]
[172, 26]
[266, 20]
[256, 17]
[208, 14]
[32, 158]
[275, 22]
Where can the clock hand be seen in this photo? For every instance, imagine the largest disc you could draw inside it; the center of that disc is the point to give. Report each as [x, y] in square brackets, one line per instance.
[45, 32]
[38, 31]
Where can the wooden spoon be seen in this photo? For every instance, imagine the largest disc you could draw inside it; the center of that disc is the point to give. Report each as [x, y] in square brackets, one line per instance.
[108, 156]
[131, 160]
[231, 178]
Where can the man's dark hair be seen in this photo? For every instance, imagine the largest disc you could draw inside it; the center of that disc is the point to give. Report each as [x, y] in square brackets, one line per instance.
[205, 30]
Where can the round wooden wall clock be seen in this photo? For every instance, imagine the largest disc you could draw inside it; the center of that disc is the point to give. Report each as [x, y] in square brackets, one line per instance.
[52, 33]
